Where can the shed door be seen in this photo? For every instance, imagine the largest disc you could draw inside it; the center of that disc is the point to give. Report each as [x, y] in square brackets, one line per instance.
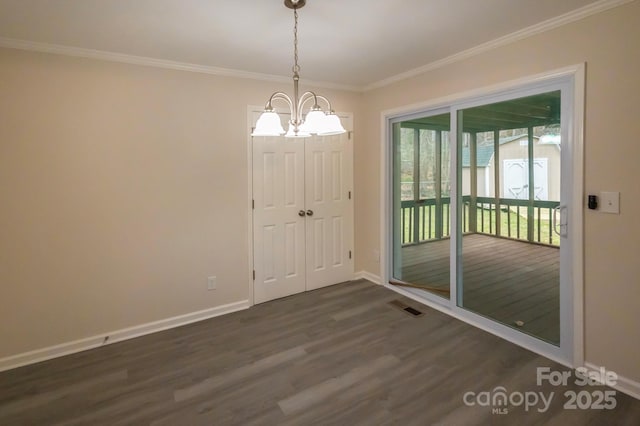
[516, 179]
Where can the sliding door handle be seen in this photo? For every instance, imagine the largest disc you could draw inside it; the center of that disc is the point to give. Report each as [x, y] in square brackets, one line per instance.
[560, 226]
[554, 220]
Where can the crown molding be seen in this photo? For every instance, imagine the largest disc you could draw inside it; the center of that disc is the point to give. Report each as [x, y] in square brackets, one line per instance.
[576, 15]
[160, 63]
[567, 18]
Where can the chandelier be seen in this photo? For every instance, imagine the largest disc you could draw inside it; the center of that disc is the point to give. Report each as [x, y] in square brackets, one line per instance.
[316, 120]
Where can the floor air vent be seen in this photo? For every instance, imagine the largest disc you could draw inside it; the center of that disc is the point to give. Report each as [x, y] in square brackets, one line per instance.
[404, 307]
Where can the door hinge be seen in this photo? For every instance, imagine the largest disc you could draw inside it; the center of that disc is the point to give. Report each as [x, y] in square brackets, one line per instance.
[253, 204]
[254, 274]
[349, 134]
[349, 194]
[349, 254]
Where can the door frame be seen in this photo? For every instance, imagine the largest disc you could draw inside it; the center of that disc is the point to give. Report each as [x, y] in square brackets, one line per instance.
[251, 110]
[572, 353]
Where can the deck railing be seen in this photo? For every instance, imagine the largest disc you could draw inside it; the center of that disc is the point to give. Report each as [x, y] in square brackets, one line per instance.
[426, 220]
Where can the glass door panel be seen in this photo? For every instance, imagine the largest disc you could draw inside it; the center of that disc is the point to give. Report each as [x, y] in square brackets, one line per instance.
[421, 204]
[509, 175]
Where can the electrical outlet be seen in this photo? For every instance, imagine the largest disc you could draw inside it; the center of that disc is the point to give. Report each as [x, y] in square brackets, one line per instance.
[211, 283]
[376, 256]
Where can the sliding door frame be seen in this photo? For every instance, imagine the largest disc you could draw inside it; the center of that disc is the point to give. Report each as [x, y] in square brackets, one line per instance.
[571, 80]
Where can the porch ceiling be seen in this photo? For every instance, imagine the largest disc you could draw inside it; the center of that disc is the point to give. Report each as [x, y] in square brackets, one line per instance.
[531, 111]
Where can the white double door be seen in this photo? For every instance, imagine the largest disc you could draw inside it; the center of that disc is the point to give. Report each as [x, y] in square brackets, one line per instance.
[302, 215]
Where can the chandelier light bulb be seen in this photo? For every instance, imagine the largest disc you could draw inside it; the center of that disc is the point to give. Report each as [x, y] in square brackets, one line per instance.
[314, 122]
[268, 124]
[333, 125]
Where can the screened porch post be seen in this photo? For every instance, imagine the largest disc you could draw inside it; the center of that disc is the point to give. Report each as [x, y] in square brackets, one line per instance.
[438, 186]
[530, 209]
[496, 179]
[416, 185]
[473, 183]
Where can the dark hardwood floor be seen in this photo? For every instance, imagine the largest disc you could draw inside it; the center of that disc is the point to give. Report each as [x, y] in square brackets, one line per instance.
[509, 281]
[341, 355]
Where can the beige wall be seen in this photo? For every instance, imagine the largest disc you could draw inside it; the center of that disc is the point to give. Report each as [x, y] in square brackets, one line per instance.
[122, 188]
[607, 42]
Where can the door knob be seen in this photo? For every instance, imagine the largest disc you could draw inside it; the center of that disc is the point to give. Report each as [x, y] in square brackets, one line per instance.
[301, 213]
[309, 212]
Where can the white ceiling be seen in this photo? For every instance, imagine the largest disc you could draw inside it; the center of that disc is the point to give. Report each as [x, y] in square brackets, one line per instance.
[353, 43]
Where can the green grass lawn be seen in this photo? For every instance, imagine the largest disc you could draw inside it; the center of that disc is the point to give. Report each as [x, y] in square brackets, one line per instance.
[509, 226]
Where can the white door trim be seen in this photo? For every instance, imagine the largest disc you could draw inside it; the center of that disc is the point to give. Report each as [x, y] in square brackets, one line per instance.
[576, 73]
[250, 110]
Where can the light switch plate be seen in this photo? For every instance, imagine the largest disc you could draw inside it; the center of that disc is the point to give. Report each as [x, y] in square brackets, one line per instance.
[610, 202]
[211, 283]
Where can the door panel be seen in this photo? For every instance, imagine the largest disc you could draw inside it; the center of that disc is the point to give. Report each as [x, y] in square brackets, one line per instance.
[510, 269]
[330, 227]
[279, 231]
[338, 241]
[317, 235]
[421, 204]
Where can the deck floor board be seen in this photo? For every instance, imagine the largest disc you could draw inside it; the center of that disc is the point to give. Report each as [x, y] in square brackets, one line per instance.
[506, 280]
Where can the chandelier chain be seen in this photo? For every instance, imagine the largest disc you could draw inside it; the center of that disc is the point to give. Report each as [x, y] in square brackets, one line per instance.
[296, 67]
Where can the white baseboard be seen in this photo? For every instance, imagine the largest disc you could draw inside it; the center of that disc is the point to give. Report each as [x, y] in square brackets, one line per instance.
[364, 275]
[103, 339]
[623, 384]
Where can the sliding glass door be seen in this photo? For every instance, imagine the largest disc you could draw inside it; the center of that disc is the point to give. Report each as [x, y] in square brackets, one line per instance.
[509, 168]
[479, 195]
[422, 204]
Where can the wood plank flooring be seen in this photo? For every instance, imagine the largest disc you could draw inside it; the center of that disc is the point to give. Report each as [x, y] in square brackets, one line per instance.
[342, 355]
[506, 280]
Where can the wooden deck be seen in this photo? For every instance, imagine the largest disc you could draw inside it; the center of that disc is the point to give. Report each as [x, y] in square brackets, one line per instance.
[506, 280]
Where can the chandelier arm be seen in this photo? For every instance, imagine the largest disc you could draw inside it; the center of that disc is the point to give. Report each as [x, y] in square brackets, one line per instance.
[278, 96]
[306, 97]
[327, 101]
